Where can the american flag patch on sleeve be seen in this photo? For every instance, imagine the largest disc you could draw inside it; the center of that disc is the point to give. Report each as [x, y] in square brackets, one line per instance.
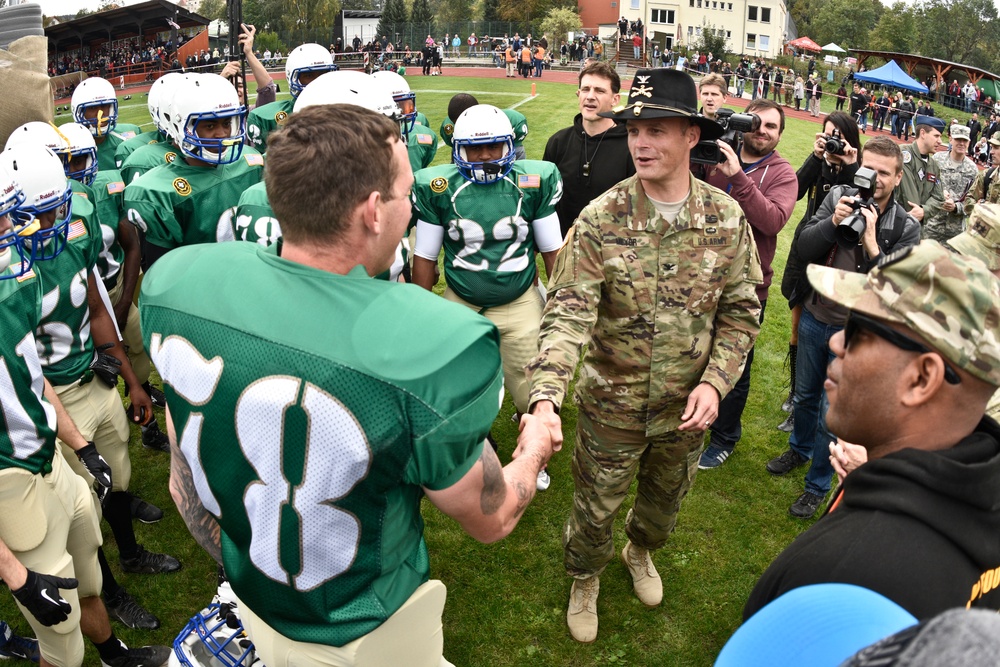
[115, 187]
[528, 181]
[76, 229]
[425, 139]
[255, 159]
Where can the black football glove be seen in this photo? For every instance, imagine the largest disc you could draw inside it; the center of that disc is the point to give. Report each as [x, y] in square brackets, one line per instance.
[40, 595]
[105, 366]
[97, 466]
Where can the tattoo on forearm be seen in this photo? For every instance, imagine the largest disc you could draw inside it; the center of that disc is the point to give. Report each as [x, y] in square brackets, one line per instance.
[494, 491]
[201, 524]
[524, 496]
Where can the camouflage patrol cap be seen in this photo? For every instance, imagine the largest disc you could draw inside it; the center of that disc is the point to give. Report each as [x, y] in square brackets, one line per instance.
[951, 301]
[981, 238]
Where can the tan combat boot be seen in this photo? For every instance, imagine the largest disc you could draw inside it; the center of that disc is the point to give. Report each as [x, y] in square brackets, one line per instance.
[581, 617]
[645, 579]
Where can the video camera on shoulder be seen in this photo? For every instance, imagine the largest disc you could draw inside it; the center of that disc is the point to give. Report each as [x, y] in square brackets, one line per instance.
[852, 228]
[733, 125]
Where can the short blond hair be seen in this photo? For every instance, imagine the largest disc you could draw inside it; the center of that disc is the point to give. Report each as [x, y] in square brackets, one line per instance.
[714, 79]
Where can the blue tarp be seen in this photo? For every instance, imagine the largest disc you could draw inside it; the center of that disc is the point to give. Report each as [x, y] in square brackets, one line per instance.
[890, 74]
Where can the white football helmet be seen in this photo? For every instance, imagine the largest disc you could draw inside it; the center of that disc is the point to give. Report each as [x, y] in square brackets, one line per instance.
[78, 142]
[477, 126]
[159, 97]
[303, 59]
[92, 93]
[39, 171]
[214, 637]
[348, 88]
[201, 98]
[16, 227]
[405, 99]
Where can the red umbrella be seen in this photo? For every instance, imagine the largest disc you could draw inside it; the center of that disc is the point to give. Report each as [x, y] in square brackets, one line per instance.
[805, 44]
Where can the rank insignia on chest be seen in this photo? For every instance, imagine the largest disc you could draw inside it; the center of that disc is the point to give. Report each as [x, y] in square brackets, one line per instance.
[281, 117]
[182, 187]
[439, 185]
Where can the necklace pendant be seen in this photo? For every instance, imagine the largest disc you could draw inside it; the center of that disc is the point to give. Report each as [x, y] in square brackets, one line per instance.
[586, 169]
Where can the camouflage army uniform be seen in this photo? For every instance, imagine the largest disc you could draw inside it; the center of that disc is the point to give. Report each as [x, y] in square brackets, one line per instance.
[663, 307]
[976, 194]
[921, 182]
[955, 178]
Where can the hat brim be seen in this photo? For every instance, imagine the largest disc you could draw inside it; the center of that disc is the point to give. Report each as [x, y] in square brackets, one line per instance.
[966, 244]
[832, 622]
[709, 128]
[851, 290]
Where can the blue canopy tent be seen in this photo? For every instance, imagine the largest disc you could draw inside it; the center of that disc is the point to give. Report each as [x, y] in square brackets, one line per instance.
[890, 74]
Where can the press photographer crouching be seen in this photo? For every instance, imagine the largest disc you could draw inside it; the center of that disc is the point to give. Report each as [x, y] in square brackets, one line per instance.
[887, 227]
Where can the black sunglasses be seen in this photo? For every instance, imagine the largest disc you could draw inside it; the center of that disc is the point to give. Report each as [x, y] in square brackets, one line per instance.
[856, 321]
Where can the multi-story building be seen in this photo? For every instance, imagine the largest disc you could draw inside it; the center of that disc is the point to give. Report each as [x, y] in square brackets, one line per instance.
[753, 27]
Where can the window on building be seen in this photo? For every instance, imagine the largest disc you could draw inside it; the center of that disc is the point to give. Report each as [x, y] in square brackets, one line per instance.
[765, 14]
[751, 42]
[729, 35]
[715, 4]
[764, 43]
[690, 31]
[730, 8]
[662, 16]
[751, 12]
[697, 31]
[691, 3]
[635, 4]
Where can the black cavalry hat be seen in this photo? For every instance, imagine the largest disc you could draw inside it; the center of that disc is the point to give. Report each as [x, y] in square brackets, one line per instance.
[664, 93]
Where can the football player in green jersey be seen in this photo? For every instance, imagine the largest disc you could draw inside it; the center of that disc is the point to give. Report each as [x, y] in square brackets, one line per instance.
[303, 65]
[491, 214]
[352, 421]
[158, 95]
[421, 142]
[49, 533]
[95, 106]
[144, 158]
[78, 345]
[193, 199]
[462, 101]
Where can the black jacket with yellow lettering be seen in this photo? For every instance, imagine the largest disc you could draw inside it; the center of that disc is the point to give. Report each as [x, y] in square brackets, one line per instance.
[921, 528]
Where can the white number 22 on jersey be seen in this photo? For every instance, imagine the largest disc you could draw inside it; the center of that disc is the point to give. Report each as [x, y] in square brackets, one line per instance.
[337, 457]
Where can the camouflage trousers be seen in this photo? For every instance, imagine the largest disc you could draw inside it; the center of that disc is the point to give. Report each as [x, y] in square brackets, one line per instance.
[605, 462]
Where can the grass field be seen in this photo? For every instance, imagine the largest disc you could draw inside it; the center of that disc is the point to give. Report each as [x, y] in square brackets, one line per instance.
[506, 603]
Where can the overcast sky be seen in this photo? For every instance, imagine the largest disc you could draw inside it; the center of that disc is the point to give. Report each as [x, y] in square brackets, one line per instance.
[60, 7]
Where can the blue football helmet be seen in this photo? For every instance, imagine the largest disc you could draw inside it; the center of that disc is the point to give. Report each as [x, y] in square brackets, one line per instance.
[477, 126]
[95, 92]
[304, 59]
[199, 99]
[16, 228]
[39, 171]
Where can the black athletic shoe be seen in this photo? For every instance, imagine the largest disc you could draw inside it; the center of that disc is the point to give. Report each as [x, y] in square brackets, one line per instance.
[143, 511]
[147, 562]
[130, 613]
[153, 438]
[805, 507]
[787, 462]
[155, 395]
[147, 656]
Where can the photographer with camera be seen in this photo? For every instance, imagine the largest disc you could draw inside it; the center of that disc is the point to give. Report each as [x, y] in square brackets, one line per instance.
[833, 162]
[763, 184]
[851, 230]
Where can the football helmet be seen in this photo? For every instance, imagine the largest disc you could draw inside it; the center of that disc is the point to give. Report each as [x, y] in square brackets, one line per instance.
[348, 88]
[477, 126]
[68, 141]
[39, 171]
[16, 227]
[214, 637]
[93, 93]
[203, 98]
[158, 98]
[405, 99]
[303, 59]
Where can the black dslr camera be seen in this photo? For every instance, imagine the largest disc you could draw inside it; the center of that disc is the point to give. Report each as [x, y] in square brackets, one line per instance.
[834, 143]
[850, 230]
[733, 125]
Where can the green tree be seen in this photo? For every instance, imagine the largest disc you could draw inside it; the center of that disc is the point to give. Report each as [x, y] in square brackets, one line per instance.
[558, 22]
[712, 40]
[213, 9]
[308, 17]
[802, 12]
[392, 19]
[847, 22]
[261, 13]
[962, 31]
[452, 11]
[491, 10]
[896, 31]
[422, 18]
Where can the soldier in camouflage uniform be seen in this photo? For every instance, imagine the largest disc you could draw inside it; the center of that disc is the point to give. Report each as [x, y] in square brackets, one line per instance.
[957, 174]
[911, 375]
[663, 294]
[986, 187]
